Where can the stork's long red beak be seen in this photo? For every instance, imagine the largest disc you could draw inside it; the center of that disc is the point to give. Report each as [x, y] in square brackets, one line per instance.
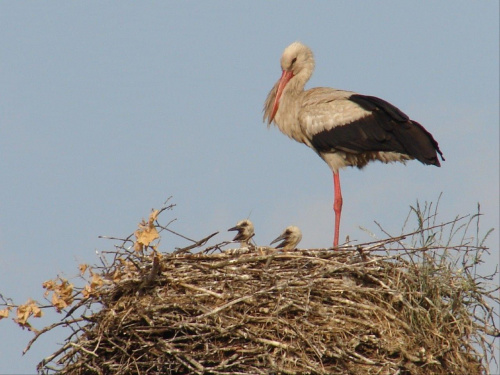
[285, 77]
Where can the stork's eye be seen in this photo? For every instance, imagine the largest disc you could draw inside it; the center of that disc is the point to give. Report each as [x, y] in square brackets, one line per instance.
[293, 61]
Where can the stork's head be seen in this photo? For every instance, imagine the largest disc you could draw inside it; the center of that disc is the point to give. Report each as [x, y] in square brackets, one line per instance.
[291, 237]
[297, 65]
[297, 58]
[245, 230]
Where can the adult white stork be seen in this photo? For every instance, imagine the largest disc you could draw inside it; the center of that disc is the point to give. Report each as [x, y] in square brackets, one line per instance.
[245, 232]
[344, 128]
[291, 237]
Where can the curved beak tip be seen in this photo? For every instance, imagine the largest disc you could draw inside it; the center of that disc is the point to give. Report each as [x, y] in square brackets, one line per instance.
[277, 239]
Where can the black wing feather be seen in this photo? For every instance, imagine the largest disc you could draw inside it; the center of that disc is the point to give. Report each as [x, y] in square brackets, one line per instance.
[386, 129]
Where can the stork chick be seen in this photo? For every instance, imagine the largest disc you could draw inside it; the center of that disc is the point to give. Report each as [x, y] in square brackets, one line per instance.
[291, 237]
[245, 232]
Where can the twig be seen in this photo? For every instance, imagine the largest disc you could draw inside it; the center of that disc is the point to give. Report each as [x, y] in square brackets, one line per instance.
[199, 243]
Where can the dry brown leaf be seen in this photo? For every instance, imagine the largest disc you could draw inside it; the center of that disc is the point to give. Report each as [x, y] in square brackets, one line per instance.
[62, 295]
[58, 303]
[83, 268]
[138, 246]
[36, 311]
[153, 216]
[25, 311]
[87, 291]
[147, 232]
[48, 285]
[65, 289]
[96, 281]
[22, 314]
[5, 313]
[147, 235]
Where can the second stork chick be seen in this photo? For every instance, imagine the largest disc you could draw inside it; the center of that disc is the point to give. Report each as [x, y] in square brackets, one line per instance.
[291, 237]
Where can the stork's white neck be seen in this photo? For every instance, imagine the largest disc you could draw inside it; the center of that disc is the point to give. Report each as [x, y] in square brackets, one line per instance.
[287, 117]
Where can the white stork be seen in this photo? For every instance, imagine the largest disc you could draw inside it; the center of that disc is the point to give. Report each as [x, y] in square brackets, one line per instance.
[291, 237]
[344, 128]
[245, 232]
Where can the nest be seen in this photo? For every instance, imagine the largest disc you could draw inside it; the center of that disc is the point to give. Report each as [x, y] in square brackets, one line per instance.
[378, 308]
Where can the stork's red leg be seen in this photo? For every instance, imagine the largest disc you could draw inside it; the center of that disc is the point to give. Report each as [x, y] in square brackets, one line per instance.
[337, 207]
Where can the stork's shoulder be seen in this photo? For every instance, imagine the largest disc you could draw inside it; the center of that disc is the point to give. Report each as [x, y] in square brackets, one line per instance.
[324, 108]
[322, 95]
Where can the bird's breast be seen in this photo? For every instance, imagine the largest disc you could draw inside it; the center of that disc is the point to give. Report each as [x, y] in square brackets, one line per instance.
[287, 120]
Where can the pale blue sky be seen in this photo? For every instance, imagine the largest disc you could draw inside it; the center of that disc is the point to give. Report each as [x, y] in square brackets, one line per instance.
[109, 108]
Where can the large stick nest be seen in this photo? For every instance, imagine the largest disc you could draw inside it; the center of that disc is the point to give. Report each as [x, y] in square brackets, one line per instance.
[379, 308]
